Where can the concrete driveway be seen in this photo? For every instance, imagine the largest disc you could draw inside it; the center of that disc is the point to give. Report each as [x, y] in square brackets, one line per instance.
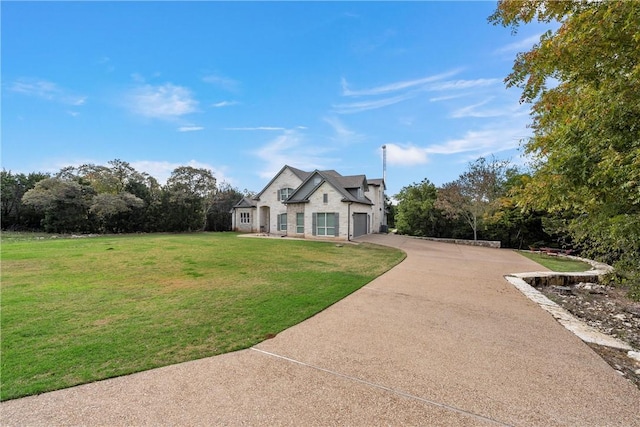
[440, 340]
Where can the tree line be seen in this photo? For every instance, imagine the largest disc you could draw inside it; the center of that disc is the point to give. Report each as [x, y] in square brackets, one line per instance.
[477, 205]
[116, 198]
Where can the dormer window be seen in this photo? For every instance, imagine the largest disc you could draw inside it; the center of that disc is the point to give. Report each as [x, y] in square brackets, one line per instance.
[284, 194]
[360, 193]
[316, 180]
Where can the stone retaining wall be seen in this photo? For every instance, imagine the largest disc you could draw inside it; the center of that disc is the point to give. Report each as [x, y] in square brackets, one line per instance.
[483, 243]
[552, 278]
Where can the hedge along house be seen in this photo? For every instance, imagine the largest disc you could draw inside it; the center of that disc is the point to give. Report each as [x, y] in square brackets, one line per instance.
[318, 204]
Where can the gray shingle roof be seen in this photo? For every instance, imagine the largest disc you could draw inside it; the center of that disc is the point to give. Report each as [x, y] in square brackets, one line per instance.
[375, 181]
[246, 202]
[337, 181]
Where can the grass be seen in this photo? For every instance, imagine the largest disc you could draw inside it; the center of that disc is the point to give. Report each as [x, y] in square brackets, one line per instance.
[557, 263]
[80, 310]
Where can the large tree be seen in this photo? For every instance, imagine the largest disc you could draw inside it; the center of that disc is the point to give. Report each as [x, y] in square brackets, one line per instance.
[13, 213]
[64, 203]
[583, 80]
[218, 211]
[114, 208]
[475, 193]
[416, 213]
[189, 193]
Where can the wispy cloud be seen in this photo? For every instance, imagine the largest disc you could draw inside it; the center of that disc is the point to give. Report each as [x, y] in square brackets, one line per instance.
[222, 82]
[474, 111]
[291, 148]
[407, 89]
[225, 104]
[165, 101]
[519, 46]
[190, 128]
[396, 86]
[47, 90]
[481, 142]
[267, 128]
[495, 138]
[343, 134]
[448, 97]
[463, 84]
[356, 107]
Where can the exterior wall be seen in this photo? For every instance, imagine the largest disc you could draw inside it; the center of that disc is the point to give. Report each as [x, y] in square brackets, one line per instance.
[292, 210]
[334, 204]
[269, 198]
[377, 215]
[239, 226]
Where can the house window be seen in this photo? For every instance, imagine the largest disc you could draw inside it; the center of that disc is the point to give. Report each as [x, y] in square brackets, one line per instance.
[360, 193]
[325, 198]
[282, 222]
[284, 193]
[326, 224]
[300, 222]
[316, 180]
[245, 217]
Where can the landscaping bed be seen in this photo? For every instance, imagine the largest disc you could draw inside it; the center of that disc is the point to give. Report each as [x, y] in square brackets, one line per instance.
[609, 310]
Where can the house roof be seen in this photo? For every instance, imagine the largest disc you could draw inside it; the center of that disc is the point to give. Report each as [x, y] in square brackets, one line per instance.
[299, 173]
[342, 184]
[245, 202]
[377, 182]
[353, 181]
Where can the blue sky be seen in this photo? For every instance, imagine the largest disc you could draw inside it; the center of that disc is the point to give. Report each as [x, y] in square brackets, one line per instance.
[243, 88]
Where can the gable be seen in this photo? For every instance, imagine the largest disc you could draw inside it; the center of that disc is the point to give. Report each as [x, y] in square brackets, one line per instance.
[288, 177]
[245, 202]
[343, 185]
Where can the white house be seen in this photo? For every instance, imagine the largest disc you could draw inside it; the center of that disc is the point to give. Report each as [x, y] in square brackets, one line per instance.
[318, 204]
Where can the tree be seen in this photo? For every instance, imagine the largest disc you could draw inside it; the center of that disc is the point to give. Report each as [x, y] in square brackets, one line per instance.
[114, 208]
[474, 193]
[416, 213]
[219, 217]
[586, 129]
[511, 225]
[190, 192]
[149, 217]
[65, 204]
[109, 210]
[14, 214]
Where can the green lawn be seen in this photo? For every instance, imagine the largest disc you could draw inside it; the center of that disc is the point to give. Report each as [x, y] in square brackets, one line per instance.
[557, 263]
[79, 310]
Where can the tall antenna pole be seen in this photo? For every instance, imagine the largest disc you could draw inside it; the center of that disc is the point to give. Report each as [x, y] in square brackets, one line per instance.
[384, 163]
[384, 184]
